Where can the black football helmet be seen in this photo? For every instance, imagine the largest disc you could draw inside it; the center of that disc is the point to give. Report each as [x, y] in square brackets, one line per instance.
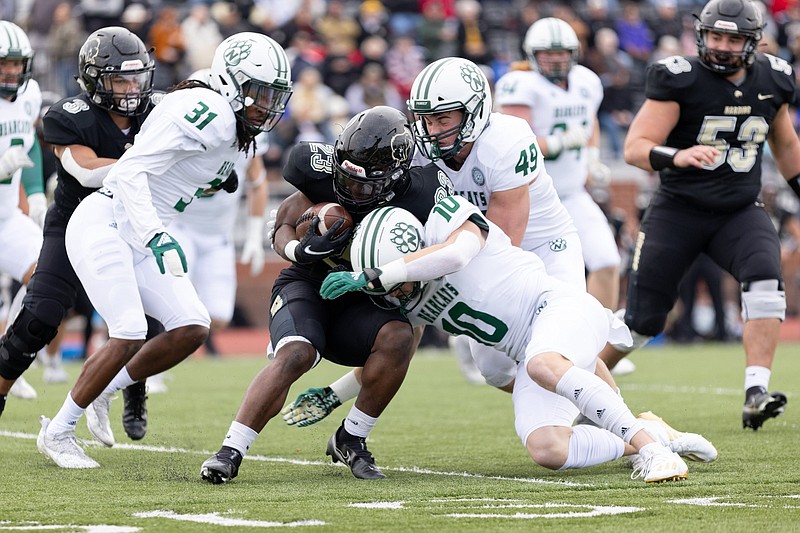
[371, 158]
[741, 17]
[115, 71]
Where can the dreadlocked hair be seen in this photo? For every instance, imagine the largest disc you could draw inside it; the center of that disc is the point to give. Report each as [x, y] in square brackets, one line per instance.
[245, 139]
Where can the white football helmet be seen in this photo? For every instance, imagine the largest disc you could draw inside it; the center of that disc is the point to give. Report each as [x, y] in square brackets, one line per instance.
[14, 45]
[449, 84]
[386, 234]
[250, 69]
[551, 34]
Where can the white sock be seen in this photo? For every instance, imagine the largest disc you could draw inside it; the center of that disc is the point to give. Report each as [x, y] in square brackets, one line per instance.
[346, 387]
[240, 437]
[120, 381]
[358, 424]
[756, 376]
[67, 417]
[597, 401]
[590, 445]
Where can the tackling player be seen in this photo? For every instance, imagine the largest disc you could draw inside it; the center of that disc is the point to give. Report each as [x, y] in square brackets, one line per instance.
[552, 329]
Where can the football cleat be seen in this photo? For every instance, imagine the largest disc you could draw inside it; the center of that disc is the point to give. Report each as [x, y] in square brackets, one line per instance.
[55, 374]
[623, 367]
[97, 419]
[352, 451]
[311, 406]
[62, 448]
[134, 412]
[692, 446]
[760, 406]
[221, 467]
[2, 404]
[658, 464]
[156, 384]
[22, 389]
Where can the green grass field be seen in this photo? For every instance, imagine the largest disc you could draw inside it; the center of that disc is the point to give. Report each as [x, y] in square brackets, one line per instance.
[452, 459]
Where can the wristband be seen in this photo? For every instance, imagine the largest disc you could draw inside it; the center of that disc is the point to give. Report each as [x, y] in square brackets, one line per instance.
[391, 274]
[289, 249]
[662, 157]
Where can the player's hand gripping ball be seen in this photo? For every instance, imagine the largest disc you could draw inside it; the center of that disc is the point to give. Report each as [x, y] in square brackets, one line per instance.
[329, 213]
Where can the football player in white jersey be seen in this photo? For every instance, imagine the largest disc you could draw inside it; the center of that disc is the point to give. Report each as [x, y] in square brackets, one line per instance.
[117, 238]
[20, 162]
[206, 235]
[495, 162]
[446, 275]
[560, 99]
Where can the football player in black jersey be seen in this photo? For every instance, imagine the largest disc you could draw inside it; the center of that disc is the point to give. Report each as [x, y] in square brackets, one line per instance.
[703, 127]
[89, 133]
[368, 167]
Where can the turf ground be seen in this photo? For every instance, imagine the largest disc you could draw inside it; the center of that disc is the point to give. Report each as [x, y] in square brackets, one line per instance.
[452, 459]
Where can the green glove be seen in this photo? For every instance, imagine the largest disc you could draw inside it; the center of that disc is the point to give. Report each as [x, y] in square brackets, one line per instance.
[338, 283]
[167, 250]
[311, 406]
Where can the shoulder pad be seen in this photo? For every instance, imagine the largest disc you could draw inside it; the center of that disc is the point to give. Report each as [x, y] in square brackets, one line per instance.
[781, 74]
[308, 165]
[156, 97]
[675, 73]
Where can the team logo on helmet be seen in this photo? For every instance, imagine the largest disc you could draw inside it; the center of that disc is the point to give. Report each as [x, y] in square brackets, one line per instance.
[237, 52]
[401, 146]
[92, 48]
[473, 77]
[405, 238]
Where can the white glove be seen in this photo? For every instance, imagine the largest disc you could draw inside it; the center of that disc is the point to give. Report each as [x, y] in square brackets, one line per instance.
[253, 251]
[12, 160]
[271, 227]
[567, 140]
[37, 208]
[599, 173]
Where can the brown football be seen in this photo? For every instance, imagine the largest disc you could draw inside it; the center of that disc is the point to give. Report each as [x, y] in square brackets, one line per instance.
[328, 213]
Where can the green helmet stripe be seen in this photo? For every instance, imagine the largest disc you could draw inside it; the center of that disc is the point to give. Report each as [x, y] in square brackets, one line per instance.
[283, 62]
[12, 37]
[430, 74]
[369, 238]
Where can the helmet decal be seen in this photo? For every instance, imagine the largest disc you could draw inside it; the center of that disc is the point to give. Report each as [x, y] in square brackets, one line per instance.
[237, 51]
[473, 77]
[405, 237]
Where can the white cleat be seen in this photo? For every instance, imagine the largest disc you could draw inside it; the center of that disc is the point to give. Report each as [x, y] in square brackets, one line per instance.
[62, 448]
[97, 419]
[624, 367]
[156, 385]
[55, 374]
[656, 463]
[692, 446]
[23, 390]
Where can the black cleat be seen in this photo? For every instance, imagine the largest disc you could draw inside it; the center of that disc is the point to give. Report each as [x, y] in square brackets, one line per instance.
[760, 406]
[221, 467]
[134, 414]
[353, 452]
[2, 404]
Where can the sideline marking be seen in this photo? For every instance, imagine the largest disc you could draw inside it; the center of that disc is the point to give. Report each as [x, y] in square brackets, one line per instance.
[301, 462]
[217, 520]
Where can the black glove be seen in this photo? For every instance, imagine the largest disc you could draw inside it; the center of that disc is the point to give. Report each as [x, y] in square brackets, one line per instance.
[313, 247]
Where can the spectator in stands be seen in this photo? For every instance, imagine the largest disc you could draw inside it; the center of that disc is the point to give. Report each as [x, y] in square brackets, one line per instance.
[404, 60]
[372, 89]
[63, 43]
[201, 36]
[336, 26]
[167, 38]
[471, 39]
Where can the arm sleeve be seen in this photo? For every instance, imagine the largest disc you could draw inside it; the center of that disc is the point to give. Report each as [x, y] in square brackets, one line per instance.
[33, 177]
[445, 260]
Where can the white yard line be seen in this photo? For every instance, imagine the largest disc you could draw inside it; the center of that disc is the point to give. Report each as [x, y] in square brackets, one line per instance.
[413, 469]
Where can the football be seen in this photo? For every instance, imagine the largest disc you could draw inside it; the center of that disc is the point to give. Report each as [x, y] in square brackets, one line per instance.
[328, 213]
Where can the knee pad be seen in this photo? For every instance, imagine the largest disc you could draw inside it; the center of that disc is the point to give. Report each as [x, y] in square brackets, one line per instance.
[18, 347]
[763, 299]
[639, 339]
